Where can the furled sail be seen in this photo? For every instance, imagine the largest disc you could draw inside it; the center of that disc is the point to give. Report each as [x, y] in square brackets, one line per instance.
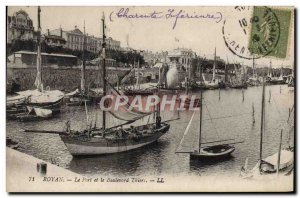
[124, 112]
[172, 77]
[35, 96]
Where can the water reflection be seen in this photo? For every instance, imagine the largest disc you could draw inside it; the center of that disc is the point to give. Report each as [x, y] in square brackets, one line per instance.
[196, 165]
[160, 157]
[127, 162]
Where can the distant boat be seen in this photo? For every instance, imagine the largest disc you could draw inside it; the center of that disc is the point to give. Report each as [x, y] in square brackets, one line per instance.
[21, 105]
[271, 80]
[253, 80]
[238, 81]
[137, 89]
[291, 79]
[281, 161]
[214, 83]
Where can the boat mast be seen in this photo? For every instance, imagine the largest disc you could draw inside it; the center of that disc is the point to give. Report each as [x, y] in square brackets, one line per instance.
[271, 72]
[137, 73]
[214, 68]
[83, 62]
[200, 130]
[279, 153]
[186, 85]
[38, 82]
[262, 123]
[103, 70]
[226, 72]
[253, 67]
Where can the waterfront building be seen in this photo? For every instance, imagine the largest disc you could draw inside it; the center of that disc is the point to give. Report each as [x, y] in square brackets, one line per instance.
[151, 58]
[182, 57]
[19, 27]
[74, 40]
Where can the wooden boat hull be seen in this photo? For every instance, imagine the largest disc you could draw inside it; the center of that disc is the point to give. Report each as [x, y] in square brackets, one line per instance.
[275, 82]
[100, 145]
[27, 117]
[242, 86]
[223, 151]
[79, 100]
[268, 169]
[138, 92]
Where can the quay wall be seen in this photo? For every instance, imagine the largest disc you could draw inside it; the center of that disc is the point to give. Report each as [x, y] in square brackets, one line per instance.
[62, 78]
[68, 78]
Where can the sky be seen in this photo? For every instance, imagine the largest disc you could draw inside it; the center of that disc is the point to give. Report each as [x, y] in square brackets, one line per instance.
[202, 35]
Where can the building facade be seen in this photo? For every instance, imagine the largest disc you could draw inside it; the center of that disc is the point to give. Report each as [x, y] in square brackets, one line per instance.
[54, 40]
[19, 27]
[181, 56]
[152, 58]
[74, 40]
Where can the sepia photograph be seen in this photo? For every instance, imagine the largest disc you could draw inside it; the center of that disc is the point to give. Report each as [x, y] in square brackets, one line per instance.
[150, 99]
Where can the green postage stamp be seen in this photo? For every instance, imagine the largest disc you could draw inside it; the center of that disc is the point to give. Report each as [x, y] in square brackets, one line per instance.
[270, 31]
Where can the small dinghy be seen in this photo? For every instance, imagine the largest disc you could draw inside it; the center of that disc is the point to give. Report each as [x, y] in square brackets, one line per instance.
[34, 114]
[270, 164]
[218, 151]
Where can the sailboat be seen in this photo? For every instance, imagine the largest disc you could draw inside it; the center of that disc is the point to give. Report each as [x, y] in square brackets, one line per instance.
[281, 161]
[291, 80]
[214, 83]
[35, 104]
[280, 78]
[238, 81]
[253, 81]
[209, 150]
[272, 80]
[116, 139]
[137, 90]
[108, 140]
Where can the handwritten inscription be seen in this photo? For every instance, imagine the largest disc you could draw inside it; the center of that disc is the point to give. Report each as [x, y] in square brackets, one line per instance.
[169, 14]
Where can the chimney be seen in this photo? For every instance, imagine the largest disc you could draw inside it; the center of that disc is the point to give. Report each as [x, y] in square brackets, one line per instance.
[48, 31]
[60, 32]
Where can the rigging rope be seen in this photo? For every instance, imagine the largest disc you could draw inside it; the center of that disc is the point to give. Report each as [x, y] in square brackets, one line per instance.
[211, 121]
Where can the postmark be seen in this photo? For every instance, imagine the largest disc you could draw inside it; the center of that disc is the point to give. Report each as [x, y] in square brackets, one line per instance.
[253, 32]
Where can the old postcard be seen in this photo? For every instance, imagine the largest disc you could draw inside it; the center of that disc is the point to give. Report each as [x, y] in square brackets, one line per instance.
[150, 99]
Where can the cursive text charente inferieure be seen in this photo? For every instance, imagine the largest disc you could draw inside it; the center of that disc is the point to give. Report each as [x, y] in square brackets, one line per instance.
[169, 15]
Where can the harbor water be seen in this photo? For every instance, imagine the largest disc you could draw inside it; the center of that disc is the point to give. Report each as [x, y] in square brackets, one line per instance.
[229, 116]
